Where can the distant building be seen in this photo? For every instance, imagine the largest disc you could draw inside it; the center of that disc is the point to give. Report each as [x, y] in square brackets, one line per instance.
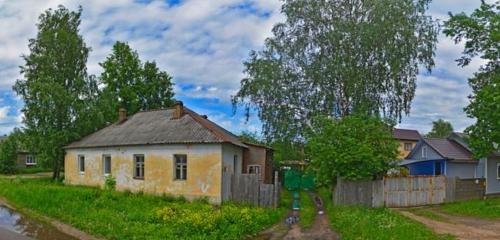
[407, 139]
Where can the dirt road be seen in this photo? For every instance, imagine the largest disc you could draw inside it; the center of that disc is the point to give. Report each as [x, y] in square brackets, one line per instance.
[464, 228]
[319, 231]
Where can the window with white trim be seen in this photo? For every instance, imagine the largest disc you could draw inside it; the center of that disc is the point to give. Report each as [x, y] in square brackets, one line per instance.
[253, 169]
[30, 160]
[139, 166]
[424, 152]
[81, 163]
[408, 146]
[498, 171]
[180, 166]
[106, 164]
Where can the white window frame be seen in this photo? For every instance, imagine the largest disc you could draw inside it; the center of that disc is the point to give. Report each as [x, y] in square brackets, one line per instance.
[80, 159]
[137, 176]
[424, 152]
[255, 166]
[182, 166]
[498, 172]
[104, 156]
[235, 163]
[30, 160]
[407, 144]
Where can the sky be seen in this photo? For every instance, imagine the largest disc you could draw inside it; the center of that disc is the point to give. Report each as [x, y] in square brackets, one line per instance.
[202, 44]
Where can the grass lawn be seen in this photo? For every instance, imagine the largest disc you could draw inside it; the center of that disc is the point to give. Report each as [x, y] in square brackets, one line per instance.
[488, 209]
[114, 215]
[307, 211]
[32, 170]
[374, 223]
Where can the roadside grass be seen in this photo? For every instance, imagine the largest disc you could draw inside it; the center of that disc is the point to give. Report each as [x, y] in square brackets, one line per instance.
[32, 170]
[307, 211]
[115, 215]
[374, 223]
[428, 214]
[487, 209]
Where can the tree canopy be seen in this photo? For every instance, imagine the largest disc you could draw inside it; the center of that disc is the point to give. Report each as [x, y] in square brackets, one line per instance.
[335, 58]
[55, 86]
[440, 129]
[480, 31]
[131, 85]
[353, 147]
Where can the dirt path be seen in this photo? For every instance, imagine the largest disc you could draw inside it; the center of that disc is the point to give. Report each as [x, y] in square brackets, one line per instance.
[319, 231]
[464, 228]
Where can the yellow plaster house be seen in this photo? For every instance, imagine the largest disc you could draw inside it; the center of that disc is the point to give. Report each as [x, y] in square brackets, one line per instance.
[407, 139]
[173, 151]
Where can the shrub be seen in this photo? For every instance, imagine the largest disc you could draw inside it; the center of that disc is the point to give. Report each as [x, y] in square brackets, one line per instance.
[110, 183]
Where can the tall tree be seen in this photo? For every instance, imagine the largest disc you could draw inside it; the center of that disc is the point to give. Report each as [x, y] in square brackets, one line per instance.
[131, 85]
[55, 86]
[440, 129]
[336, 57]
[481, 33]
[8, 153]
[353, 147]
[157, 89]
[121, 77]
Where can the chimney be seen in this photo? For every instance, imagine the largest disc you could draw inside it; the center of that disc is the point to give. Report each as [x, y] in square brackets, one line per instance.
[122, 115]
[179, 110]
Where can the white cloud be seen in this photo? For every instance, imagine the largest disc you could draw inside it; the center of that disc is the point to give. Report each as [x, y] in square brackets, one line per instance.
[203, 44]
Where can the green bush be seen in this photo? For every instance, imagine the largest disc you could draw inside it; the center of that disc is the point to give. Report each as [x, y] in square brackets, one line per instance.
[8, 155]
[110, 183]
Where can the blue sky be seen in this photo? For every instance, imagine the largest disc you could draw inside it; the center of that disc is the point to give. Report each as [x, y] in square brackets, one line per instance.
[202, 44]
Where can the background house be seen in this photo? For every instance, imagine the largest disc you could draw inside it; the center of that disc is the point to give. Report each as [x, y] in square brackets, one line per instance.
[174, 151]
[258, 159]
[25, 159]
[407, 139]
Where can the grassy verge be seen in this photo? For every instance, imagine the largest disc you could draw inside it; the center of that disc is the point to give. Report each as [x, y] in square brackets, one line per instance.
[114, 215]
[374, 223]
[33, 170]
[488, 209]
[307, 210]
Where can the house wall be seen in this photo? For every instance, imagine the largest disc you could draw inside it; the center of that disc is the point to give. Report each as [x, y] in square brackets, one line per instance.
[21, 160]
[480, 168]
[228, 164]
[461, 170]
[431, 153]
[492, 182]
[261, 156]
[427, 168]
[402, 153]
[204, 167]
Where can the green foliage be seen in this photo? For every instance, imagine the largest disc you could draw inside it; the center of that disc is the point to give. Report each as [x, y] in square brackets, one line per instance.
[55, 87]
[117, 215]
[336, 57]
[8, 155]
[251, 137]
[131, 85]
[354, 147]
[287, 151]
[481, 34]
[374, 223]
[440, 129]
[110, 183]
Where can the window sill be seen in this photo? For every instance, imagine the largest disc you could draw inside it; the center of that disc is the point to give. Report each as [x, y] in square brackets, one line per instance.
[138, 178]
[180, 180]
[82, 173]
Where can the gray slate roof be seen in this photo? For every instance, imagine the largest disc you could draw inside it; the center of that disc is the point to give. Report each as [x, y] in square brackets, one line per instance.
[450, 149]
[159, 127]
[406, 134]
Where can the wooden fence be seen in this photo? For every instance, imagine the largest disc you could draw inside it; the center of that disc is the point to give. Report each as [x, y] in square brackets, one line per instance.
[407, 191]
[249, 189]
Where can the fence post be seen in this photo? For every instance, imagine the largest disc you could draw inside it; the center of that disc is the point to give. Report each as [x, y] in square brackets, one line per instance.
[276, 190]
